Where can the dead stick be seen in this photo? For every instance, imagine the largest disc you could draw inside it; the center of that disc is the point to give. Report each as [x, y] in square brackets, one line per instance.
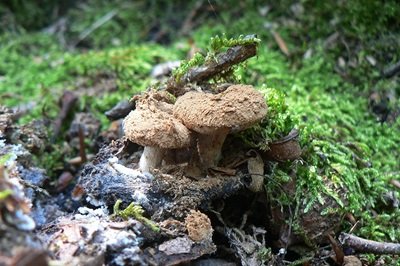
[368, 246]
[224, 62]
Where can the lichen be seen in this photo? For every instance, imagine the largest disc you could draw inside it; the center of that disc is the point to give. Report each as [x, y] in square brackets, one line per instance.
[133, 211]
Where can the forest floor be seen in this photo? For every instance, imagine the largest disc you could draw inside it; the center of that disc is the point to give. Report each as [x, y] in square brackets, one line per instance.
[327, 149]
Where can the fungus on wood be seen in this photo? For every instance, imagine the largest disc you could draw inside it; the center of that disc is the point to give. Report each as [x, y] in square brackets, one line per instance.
[214, 116]
[152, 125]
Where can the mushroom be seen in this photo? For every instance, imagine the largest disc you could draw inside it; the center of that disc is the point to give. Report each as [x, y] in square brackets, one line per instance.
[214, 116]
[156, 130]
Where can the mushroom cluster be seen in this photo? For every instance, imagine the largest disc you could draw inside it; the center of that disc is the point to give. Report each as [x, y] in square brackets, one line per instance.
[197, 119]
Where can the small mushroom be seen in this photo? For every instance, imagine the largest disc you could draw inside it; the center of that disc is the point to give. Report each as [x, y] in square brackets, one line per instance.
[156, 130]
[214, 116]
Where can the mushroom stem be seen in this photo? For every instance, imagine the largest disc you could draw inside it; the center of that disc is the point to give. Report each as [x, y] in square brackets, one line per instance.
[151, 158]
[209, 147]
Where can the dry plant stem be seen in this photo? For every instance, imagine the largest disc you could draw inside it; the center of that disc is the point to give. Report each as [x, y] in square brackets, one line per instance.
[209, 147]
[368, 246]
[151, 158]
[223, 62]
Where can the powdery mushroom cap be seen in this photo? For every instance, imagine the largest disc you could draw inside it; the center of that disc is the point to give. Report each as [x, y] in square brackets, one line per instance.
[237, 108]
[156, 129]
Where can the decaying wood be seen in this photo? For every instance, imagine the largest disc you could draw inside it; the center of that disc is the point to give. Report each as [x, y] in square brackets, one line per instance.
[223, 62]
[368, 246]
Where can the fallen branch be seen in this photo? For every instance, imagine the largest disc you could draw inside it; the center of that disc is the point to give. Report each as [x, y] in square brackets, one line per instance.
[223, 62]
[368, 246]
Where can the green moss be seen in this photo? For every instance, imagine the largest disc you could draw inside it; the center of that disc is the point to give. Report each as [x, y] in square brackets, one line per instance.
[344, 148]
[136, 212]
[219, 43]
[44, 72]
[35, 72]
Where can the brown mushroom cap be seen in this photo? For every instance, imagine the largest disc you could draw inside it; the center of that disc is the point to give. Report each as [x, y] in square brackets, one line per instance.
[236, 108]
[156, 128]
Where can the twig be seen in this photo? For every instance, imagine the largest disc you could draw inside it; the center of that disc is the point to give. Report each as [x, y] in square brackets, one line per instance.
[223, 62]
[100, 22]
[391, 70]
[368, 246]
[67, 101]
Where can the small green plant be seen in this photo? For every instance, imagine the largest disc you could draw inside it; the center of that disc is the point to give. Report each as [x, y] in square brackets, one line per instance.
[134, 211]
